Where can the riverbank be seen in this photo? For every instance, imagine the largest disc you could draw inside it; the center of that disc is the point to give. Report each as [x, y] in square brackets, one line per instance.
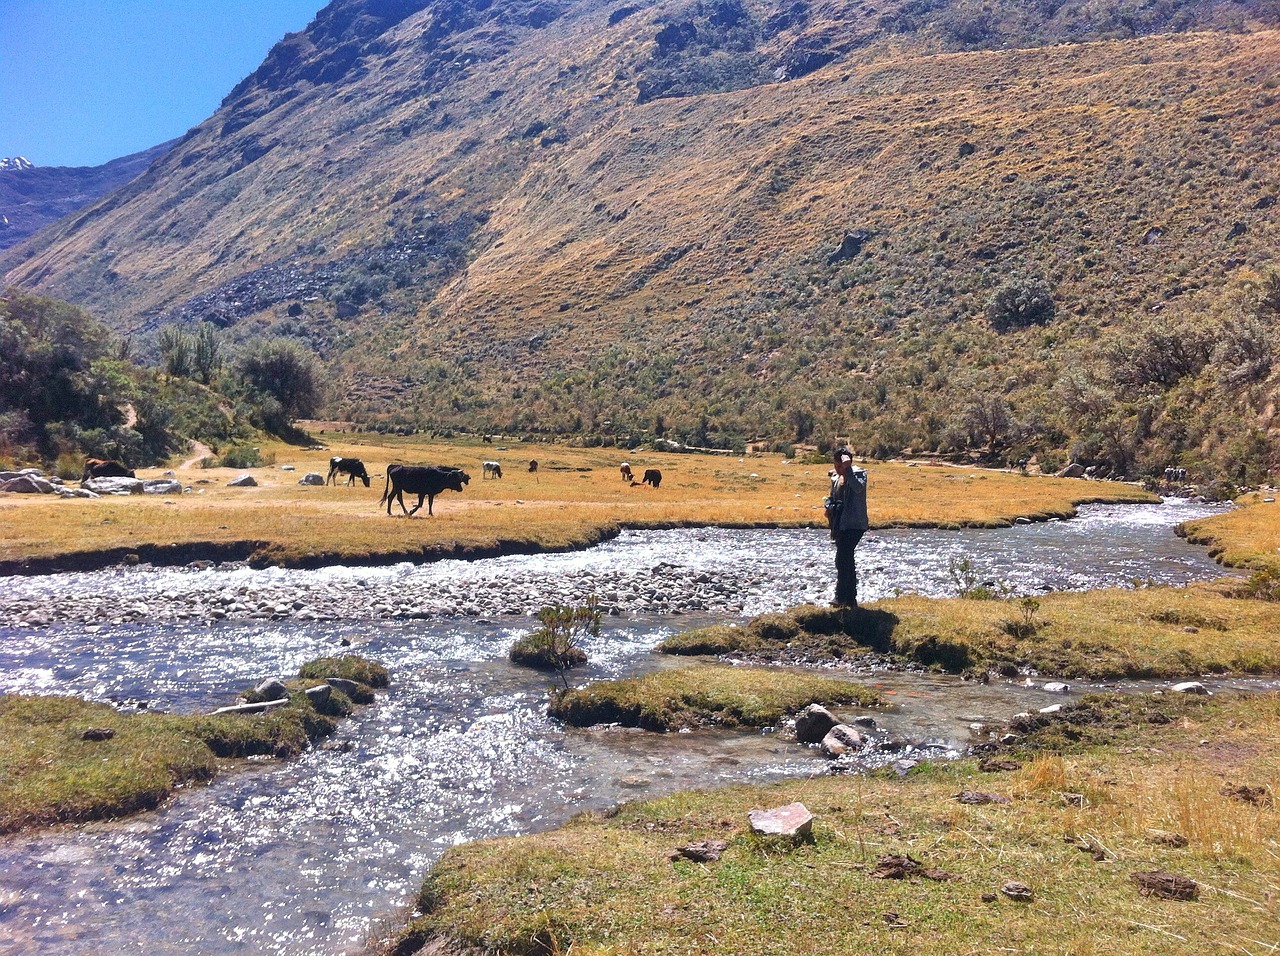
[1145, 632]
[1046, 840]
[576, 498]
[68, 760]
[1246, 537]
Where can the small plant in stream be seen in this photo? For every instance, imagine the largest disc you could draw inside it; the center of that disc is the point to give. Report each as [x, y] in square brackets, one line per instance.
[557, 644]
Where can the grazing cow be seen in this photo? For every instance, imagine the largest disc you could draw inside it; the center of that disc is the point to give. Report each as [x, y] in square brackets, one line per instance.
[353, 468]
[651, 477]
[491, 469]
[425, 481]
[533, 466]
[626, 472]
[104, 468]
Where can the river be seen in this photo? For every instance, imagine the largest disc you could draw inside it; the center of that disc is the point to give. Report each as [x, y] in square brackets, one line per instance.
[315, 855]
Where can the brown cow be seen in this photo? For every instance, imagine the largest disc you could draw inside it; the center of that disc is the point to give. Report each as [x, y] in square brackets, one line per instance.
[105, 468]
[626, 471]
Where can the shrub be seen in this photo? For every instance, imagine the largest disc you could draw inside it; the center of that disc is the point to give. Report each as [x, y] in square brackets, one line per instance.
[555, 645]
[1019, 304]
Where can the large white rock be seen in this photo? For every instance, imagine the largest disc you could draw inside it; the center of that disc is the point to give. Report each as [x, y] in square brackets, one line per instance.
[28, 485]
[1189, 687]
[311, 478]
[76, 493]
[162, 486]
[114, 486]
[244, 481]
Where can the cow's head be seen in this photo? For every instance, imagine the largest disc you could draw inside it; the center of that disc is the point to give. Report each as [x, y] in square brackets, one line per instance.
[461, 477]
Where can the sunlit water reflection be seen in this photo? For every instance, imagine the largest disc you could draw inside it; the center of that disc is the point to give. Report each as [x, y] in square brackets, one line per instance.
[310, 856]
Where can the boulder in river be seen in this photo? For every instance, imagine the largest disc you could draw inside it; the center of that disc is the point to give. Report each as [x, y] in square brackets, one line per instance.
[839, 739]
[813, 723]
[1189, 687]
[319, 695]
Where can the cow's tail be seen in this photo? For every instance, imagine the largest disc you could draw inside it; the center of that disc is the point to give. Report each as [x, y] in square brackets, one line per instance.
[386, 491]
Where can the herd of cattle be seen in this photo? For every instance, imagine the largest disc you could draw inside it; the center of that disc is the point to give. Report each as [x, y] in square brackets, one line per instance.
[425, 481]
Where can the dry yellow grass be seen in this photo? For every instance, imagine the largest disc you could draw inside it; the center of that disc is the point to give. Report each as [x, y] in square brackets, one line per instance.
[1248, 537]
[576, 497]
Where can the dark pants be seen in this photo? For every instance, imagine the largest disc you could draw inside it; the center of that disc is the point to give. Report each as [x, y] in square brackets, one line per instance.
[846, 568]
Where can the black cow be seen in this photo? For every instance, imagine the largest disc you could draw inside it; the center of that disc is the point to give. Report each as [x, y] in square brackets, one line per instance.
[353, 468]
[103, 468]
[533, 465]
[652, 476]
[425, 481]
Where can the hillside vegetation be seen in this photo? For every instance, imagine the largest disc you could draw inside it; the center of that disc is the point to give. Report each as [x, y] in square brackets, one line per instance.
[933, 226]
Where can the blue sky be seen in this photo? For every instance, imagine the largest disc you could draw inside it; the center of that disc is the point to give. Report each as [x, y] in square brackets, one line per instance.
[86, 81]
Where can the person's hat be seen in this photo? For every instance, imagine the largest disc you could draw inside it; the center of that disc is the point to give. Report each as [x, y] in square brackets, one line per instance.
[843, 454]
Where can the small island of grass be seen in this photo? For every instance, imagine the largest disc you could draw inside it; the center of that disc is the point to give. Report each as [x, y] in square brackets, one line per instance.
[703, 696]
[69, 760]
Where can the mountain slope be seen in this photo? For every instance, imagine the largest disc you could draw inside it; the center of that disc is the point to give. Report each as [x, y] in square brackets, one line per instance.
[31, 197]
[738, 218]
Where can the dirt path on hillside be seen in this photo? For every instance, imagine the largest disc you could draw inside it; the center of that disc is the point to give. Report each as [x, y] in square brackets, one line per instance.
[200, 451]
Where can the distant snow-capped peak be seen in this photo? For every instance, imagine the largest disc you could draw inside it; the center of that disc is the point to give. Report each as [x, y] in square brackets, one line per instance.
[16, 162]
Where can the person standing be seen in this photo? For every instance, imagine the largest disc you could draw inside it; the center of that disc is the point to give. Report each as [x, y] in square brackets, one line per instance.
[847, 517]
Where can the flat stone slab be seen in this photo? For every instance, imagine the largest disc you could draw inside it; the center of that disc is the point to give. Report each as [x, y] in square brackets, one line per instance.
[792, 820]
[252, 708]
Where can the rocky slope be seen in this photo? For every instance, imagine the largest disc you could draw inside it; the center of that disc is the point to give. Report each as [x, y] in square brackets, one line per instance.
[733, 218]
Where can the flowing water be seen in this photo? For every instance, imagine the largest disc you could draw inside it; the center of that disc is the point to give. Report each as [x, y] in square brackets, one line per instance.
[314, 855]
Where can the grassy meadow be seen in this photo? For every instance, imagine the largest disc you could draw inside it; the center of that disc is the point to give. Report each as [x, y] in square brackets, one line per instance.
[1114, 786]
[576, 498]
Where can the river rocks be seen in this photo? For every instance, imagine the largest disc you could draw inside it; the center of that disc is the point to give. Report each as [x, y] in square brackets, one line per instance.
[841, 739]
[311, 478]
[793, 820]
[271, 689]
[113, 486]
[162, 486]
[813, 723]
[1189, 687]
[342, 685]
[1057, 687]
[319, 695]
[244, 481]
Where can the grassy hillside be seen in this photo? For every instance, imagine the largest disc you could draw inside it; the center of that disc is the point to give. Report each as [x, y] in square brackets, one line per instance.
[931, 226]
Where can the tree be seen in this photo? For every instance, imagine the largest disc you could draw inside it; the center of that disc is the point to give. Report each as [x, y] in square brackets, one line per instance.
[284, 382]
[206, 358]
